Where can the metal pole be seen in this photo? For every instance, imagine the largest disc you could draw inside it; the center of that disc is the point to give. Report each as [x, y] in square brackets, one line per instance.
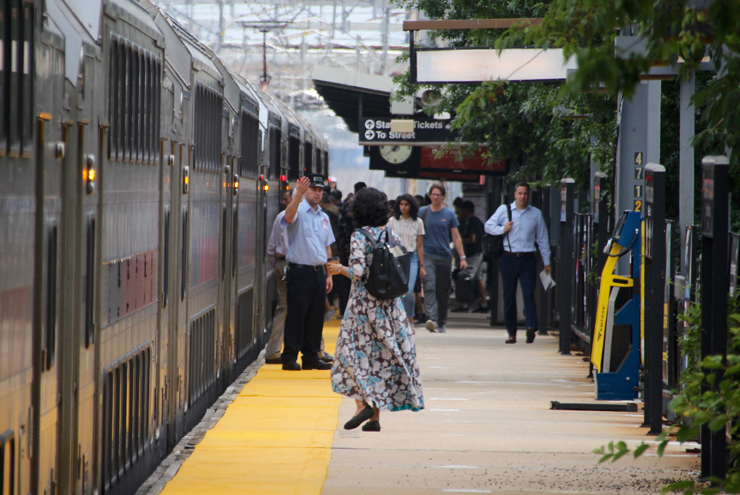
[655, 256]
[565, 265]
[687, 117]
[264, 55]
[715, 197]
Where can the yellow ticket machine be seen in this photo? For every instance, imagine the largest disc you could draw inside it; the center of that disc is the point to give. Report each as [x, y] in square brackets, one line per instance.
[615, 350]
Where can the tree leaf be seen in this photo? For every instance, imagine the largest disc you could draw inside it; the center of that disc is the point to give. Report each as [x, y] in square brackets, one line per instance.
[639, 450]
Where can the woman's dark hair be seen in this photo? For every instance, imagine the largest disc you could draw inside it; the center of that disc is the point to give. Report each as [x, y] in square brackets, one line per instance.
[370, 208]
[413, 207]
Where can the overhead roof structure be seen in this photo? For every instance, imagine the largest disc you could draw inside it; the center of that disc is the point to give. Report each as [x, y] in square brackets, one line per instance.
[343, 90]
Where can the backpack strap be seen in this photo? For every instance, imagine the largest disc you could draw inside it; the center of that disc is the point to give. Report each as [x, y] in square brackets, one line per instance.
[508, 210]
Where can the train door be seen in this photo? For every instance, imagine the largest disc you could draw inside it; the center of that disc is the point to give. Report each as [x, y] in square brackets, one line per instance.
[186, 161]
[230, 207]
[49, 153]
[89, 148]
[69, 312]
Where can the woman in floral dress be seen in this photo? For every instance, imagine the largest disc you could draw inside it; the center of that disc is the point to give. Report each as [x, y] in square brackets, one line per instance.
[375, 362]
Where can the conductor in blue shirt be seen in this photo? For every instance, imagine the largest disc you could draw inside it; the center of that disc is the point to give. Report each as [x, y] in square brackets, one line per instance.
[310, 237]
[519, 261]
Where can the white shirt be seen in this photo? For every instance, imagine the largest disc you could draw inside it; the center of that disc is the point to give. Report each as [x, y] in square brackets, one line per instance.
[408, 230]
[528, 227]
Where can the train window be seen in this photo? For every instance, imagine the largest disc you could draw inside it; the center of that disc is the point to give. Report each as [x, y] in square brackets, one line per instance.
[51, 297]
[146, 73]
[144, 398]
[26, 93]
[208, 111]
[294, 158]
[7, 463]
[133, 103]
[308, 166]
[15, 46]
[133, 409]
[250, 144]
[275, 152]
[234, 239]
[156, 95]
[107, 429]
[90, 283]
[112, 100]
[184, 254]
[120, 95]
[166, 270]
[224, 217]
[135, 124]
[116, 437]
[3, 71]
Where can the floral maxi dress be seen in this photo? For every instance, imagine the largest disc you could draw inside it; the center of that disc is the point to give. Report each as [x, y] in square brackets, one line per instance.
[376, 354]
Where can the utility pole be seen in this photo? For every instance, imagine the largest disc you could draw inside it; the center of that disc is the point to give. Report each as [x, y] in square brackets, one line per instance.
[264, 28]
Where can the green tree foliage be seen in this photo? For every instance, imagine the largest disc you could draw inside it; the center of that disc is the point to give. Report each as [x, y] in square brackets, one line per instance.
[709, 395]
[669, 32]
[556, 133]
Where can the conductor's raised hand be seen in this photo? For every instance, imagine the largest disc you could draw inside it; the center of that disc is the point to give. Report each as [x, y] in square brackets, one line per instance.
[302, 186]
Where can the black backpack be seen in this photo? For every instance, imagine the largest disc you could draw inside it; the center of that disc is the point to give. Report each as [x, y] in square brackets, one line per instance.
[493, 245]
[387, 273]
[465, 289]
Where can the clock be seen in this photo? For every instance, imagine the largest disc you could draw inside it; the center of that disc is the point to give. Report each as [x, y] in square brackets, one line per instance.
[395, 153]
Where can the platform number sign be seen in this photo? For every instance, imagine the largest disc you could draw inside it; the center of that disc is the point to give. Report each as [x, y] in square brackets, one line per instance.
[649, 221]
[639, 170]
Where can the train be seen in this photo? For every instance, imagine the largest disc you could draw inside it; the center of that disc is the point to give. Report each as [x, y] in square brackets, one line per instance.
[140, 179]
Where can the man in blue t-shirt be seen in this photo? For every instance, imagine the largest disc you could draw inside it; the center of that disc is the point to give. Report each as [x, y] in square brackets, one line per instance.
[440, 225]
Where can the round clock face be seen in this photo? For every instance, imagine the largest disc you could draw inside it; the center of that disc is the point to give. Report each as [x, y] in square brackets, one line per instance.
[395, 153]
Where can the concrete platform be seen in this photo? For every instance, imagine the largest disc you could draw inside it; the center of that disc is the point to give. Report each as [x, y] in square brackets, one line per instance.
[488, 427]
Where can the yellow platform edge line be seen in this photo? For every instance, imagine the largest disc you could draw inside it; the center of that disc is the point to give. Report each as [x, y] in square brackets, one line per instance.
[261, 457]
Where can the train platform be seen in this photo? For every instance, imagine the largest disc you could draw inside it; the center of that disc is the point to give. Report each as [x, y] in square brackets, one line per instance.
[487, 428]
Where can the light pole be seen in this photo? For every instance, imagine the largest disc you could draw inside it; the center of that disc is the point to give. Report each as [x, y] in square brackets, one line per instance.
[264, 27]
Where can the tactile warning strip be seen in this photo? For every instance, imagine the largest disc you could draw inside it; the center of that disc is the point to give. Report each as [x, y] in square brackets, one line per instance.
[275, 437]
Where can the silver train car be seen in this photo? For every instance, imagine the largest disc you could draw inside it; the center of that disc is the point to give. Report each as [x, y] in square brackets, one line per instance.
[140, 181]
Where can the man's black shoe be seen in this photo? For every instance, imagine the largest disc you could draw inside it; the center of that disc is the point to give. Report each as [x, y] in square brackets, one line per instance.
[462, 309]
[316, 365]
[482, 309]
[530, 335]
[291, 366]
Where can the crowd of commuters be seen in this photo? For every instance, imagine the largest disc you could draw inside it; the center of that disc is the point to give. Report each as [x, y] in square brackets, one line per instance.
[319, 257]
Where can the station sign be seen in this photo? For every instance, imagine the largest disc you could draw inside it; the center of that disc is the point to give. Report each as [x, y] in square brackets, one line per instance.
[377, 131]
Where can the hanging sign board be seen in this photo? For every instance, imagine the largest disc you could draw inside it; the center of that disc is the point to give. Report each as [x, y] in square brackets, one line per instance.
[377, 131]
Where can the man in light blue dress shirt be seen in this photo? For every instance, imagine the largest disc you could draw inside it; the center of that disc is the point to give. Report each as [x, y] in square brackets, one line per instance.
[519, 262]
[310, 237]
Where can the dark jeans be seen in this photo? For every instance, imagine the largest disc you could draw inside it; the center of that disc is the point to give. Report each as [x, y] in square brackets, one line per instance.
[523, 268]
[437, 283]
[304, 322]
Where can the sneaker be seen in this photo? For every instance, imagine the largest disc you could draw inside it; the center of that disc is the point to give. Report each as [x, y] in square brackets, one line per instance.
[330, 314]
[482, 309]
[431, 326]
[442, 329]
[461, 309]
[422, 318]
